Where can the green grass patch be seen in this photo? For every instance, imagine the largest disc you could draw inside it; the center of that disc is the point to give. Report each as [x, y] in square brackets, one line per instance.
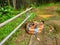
[33, 15]
[8, 12]
[5, 30]
[47, 5]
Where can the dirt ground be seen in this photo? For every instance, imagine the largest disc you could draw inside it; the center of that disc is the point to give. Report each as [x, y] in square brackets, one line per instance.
[48, 12]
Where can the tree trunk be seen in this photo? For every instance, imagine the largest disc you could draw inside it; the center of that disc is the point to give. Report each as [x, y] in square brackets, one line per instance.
[14, 4]
[8, 2]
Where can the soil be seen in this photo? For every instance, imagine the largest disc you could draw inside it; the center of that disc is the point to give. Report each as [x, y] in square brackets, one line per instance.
[45, 40]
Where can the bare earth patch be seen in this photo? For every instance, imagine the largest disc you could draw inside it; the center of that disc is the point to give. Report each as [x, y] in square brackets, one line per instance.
[46, 16]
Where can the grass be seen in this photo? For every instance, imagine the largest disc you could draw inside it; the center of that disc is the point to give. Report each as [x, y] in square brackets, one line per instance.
[4, 31]
[9, 14]
[14, 39]
[47, 5]
[8, 28]
[33, 15]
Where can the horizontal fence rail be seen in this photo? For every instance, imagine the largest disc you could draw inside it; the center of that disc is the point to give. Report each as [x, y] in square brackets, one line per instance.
[2, 24]
[5, 39]
[9, 20]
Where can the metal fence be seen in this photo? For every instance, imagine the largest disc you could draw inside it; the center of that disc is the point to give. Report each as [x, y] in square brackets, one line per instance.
[9, 20]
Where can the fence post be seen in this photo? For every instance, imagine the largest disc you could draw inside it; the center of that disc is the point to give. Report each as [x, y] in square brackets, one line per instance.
[27, 13]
